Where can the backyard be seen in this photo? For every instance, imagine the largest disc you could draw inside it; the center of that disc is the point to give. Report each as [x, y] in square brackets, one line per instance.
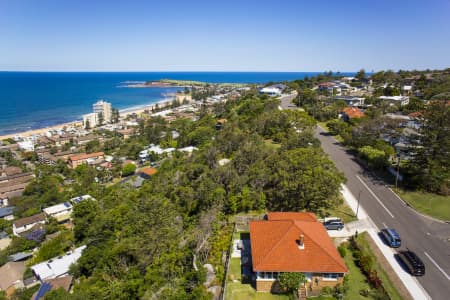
[240, 287]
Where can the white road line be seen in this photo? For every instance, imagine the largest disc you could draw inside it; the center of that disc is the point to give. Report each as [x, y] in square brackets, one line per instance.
[437, 266]
[375, 196]
[385, 226]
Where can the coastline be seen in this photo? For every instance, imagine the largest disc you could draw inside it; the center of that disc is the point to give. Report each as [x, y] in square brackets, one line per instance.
[78, 123]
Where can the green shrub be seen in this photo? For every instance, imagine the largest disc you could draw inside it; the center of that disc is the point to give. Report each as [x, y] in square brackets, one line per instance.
[366, 263]
[364, 293]
[128, 169]
[327, 290]
[342, 251]
[356, 255]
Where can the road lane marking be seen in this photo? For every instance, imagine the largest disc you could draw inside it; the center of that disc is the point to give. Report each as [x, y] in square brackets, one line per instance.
[437, 266]
[375, 196]
[385, 226]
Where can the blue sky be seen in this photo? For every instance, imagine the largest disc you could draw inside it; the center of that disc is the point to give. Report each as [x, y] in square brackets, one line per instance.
[43, 35]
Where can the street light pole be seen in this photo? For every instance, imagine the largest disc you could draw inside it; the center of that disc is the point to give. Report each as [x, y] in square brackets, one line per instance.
[357, 207]
[398, 169]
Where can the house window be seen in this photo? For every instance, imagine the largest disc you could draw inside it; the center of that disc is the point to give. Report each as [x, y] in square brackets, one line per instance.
[330, 276]
[267, 275]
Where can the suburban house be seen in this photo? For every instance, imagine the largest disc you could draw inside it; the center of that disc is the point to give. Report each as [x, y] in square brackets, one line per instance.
[60, 140]
[83, 158]
[45, 157]
[61, 212]
[143, 174]
[28, 223]
[147, 172]
[273, 90]
[394, 100]
[7, 213]
[294, 242]
[351, 100]
[126, 133]
[11, 276]
[351, 113]
[64, 282]
[78, 199]
[4, 202]
[57, 266]
[14, 185]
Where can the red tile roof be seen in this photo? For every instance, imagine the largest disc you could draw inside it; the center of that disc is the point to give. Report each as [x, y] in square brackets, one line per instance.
[83, 156]
[148, 171]
[327, 84]
[415, 114]
[274, 245]
[353, 112]
[298, 216]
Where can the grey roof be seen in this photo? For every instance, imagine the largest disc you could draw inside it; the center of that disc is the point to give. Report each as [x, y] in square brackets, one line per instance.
[20, 256]
[6, 211]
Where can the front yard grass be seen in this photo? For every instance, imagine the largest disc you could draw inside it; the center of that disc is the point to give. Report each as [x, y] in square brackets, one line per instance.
[356, 279]
[364, 244]
[342, 211]
[436, 206]
[239, 291]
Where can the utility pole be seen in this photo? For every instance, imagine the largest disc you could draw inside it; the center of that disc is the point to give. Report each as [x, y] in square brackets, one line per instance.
[357, 207]
[398, 169]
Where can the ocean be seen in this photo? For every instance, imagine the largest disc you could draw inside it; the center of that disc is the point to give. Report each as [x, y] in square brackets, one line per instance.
[31, 100]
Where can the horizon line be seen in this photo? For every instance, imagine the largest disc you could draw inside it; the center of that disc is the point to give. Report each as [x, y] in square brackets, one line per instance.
[162, 71]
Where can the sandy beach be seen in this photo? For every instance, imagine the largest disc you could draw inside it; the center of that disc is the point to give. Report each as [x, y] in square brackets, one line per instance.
[123, 113]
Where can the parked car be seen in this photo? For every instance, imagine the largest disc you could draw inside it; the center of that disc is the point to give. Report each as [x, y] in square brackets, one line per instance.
[412, 262]
[333, 224]
[391, 237]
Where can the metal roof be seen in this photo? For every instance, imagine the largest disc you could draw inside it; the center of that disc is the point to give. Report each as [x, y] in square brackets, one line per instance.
[6, 211]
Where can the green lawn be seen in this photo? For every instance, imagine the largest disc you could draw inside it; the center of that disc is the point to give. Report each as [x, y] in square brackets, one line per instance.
[430, 204]
[239, 291]
[236, 290]
[387, 283]
[342, 211]
[356, 279]
[234, 273]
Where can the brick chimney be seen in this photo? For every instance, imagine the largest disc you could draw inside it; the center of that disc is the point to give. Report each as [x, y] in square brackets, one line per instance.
[301, 244]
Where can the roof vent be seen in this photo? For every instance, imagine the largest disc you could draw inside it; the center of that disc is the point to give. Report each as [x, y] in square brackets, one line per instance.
[301, 244]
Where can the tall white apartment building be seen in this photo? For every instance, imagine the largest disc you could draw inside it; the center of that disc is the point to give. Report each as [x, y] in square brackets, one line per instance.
[104, 108]
[93, 119]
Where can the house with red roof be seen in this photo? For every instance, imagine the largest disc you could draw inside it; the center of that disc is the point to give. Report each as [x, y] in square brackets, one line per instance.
[294, 242]
[352, 113]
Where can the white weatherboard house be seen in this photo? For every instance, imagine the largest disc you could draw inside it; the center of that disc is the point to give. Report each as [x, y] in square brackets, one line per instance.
[402, 100]
[25, 224]
[57, 266]
[61, 212]
[78, 199]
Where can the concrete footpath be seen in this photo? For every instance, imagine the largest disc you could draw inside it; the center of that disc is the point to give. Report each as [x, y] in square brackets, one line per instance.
[412, 285]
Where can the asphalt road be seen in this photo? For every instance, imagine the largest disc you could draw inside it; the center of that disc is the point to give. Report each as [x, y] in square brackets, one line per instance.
[428, 238]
